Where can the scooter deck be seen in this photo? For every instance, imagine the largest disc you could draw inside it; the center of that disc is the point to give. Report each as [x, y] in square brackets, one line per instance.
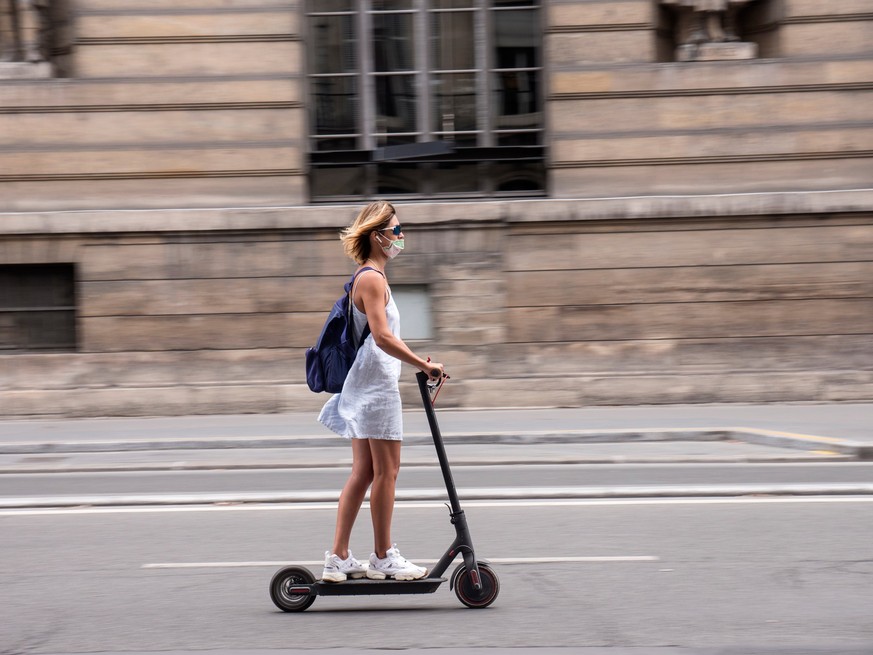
[366, 587]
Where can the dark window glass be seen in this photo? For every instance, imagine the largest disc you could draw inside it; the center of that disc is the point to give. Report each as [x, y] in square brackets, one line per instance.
[397, 179]
[516, 39]
[338, 181]
[393, 47]
[460, 140]
[391, 5]
[394, 139]
[516, 102]
[515, 3]
[454, 102]
[519, 139]
[519, 177]
[455, 178]
[395, 103]
[37, 307]
[328, 145]
[335, 104]
[452, 4]
[332, 5]
[332, 44]
[454, 44]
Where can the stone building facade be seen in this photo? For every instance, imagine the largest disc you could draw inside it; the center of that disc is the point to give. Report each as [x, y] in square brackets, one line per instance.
[661, 214]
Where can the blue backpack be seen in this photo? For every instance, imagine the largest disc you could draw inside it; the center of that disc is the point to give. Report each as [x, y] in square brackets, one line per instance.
[329, 362]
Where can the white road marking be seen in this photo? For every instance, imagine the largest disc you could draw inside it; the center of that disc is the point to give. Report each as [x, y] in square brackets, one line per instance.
[582, 502]
[492, 560]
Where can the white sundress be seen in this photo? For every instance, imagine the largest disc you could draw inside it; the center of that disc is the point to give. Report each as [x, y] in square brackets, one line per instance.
[369, 406]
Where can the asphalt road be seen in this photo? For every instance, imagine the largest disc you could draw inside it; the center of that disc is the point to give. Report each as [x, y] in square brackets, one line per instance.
[761, 574]
[429, 477]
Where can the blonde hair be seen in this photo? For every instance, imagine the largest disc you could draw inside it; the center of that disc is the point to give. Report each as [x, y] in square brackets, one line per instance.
[356, 237]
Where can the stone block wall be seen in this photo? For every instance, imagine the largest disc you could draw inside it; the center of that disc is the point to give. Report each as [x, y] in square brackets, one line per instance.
[709, 235]
[622, 123]
[534, 303]
[165, 104]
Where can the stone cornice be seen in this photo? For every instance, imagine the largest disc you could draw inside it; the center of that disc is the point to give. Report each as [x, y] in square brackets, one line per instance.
[827, 18]
[607, 27]
[193, 38]
[194, 106]
[714, 91]
[715, 159]
[150, 175]
[128, 10]
[437, 213]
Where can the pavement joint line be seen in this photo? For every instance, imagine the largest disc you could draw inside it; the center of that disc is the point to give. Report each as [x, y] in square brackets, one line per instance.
[758, 436]
[504, 561]
[493, 504]
[482, 493]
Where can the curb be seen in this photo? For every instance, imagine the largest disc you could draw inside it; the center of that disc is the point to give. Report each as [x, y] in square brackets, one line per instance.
[852, 449]
[439, 495]
[332, 441]
[332, 464]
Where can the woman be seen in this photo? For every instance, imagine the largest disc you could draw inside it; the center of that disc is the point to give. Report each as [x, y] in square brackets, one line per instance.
[368, 410]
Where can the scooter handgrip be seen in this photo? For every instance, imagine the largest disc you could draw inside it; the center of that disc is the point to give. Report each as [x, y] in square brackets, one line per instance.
[434, 372]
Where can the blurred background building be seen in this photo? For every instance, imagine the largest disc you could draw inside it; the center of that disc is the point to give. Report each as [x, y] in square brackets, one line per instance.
[605, 201]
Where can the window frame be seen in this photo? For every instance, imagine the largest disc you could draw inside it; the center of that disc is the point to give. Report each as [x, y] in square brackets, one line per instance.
[367, 137]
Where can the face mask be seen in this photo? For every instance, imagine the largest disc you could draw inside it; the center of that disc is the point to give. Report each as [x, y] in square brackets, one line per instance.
[393, 248]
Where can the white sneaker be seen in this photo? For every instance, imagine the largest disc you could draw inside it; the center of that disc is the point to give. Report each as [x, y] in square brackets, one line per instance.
[394, 566]
[337, 570]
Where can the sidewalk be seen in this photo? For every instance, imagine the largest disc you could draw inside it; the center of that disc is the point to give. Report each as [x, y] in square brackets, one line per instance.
[687, 433]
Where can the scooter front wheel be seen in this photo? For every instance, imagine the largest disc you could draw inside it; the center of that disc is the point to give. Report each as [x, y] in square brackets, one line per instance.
[281, 589]
[468, 595]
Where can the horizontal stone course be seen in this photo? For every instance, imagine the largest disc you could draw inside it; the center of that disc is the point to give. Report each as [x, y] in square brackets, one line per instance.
[147, 128]
[691, 320]
[690, 284]
[699, 248]
[190, 25]
[169, 160]
[827, 38]
[167, 192]
[601, 13]
[83, 95]
[586, 47]
[735, 77]
[745, 175]
[187, 59]
[841, 140]
[710, 112]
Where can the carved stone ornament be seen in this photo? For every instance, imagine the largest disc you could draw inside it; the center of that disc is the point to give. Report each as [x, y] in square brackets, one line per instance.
[706, 30]
[25, 37]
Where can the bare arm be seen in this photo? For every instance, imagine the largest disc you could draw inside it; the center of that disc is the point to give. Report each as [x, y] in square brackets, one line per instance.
[371, 292]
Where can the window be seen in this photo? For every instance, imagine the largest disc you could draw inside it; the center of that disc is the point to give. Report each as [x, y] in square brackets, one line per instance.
[425, 98]
[37, 308]
[413, 301]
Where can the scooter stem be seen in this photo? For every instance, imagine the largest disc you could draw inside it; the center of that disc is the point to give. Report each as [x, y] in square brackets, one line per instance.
[438, 443]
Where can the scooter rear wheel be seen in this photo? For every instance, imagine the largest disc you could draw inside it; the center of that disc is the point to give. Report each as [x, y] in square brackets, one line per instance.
[284, 581]
[468, 595]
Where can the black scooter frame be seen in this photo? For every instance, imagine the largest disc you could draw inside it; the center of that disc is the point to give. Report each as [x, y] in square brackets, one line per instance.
[463, 543]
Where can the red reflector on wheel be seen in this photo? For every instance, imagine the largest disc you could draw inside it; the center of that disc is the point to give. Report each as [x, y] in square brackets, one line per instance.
[474, 576]
[299, 591]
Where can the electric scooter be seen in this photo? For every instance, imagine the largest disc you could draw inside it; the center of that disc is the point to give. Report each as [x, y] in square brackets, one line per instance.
[294, 588]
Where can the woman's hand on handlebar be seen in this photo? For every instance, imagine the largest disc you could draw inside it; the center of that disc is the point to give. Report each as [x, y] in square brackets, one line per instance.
[435, 371]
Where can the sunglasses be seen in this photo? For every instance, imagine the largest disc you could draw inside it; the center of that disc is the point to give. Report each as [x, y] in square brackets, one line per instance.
[395, 230]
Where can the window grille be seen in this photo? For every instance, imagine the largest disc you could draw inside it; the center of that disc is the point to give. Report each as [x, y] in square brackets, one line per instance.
[425, 98]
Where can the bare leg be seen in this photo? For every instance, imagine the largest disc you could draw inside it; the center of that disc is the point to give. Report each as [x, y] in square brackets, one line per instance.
[386, 465]
[352, 496]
